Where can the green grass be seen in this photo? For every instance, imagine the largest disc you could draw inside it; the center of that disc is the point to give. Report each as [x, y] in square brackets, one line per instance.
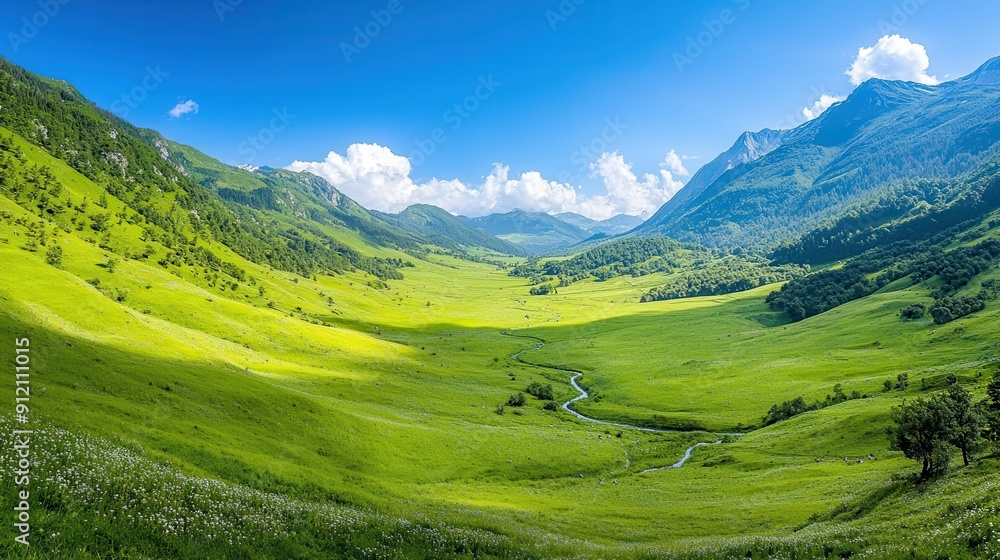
[385, 406]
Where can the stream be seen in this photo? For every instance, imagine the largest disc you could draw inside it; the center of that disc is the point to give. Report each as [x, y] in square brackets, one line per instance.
[568, 406]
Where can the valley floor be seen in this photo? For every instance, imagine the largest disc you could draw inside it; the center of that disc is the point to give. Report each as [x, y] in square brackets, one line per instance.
[371, 411]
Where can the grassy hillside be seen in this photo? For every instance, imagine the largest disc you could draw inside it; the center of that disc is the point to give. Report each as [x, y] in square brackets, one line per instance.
[296, 195]
[196, 398]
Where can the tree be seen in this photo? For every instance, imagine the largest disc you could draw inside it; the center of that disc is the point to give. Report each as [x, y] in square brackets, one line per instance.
[922, 432]
[902, 381]
[541, 392]
[99, 222]
[517, 400]
[54, 255]
[967, 422]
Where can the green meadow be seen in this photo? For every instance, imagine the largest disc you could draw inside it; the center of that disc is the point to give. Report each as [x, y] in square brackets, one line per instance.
[337, 415]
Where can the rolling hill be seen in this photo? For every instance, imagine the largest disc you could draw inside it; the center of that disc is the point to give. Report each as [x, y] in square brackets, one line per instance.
[445, 230]
[617, 225]
[535, 232]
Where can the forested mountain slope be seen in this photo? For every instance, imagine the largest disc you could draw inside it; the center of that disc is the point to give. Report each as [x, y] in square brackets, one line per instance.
[885, 133]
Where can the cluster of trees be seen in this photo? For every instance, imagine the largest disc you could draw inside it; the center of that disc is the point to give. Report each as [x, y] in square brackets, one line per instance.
[628, 257]
[731, 274]
[537, 389]
[704, 272]
[541, 391]
[958, 267]
[946, 309]
[820, 292]
[797, 406]
[544, 290]
[931, 430]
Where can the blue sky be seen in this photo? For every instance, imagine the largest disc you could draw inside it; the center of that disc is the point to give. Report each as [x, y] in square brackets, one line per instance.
[277, 82]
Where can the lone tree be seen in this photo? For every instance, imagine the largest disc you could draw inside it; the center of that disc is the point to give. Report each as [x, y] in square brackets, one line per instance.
[967, 422]
[923, 432]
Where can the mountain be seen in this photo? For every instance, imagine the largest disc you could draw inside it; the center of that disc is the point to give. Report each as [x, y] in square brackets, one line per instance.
[441, 228]
[750, 147]
[622, 223]
[302, 195]
[535, 232]
[577, 220]
[885, 133]
[184, 220]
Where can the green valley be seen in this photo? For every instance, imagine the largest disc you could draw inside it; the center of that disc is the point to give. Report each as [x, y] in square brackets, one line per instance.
[246, 363]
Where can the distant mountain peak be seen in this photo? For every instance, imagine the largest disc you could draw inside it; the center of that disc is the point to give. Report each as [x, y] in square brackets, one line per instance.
[988, 74]
[757, 145]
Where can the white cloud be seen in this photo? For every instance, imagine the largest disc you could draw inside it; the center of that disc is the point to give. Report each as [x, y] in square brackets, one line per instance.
[675, 164]
[630, 195]
[379, 179]
[184, 108]
[892, 58]
[822, 104]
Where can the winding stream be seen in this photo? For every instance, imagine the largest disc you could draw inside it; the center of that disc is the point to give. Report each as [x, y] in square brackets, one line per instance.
[568, 406]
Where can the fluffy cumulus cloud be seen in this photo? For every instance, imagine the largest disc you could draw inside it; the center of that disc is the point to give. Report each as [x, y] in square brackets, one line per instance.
[189, 107]
[379, 179]
[892, 58]
[631, 195]
[824, 102]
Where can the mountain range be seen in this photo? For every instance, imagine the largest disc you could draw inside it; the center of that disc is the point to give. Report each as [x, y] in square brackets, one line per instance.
[772, 187]
[536, 232]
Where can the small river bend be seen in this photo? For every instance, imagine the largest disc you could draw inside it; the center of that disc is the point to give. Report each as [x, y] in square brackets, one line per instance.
[583, 394]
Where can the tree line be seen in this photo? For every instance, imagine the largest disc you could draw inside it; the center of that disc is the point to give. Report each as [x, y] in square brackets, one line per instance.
[822, 291]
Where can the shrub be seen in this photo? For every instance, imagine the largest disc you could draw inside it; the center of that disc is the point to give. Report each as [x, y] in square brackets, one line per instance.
[54, 255]
[539, 391]
[517, 399]
[913, 312]
[551, 406]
